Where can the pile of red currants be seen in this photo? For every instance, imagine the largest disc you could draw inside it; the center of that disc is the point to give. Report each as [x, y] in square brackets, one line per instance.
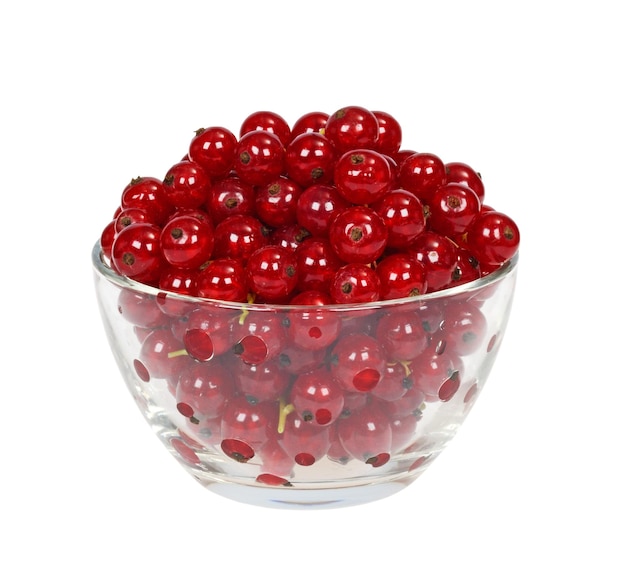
[305, 234]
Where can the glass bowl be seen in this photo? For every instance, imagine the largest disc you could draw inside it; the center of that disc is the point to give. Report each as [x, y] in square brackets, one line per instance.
[305, 406]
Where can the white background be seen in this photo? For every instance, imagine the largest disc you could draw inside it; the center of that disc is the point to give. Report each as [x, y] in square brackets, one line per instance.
[530, 93]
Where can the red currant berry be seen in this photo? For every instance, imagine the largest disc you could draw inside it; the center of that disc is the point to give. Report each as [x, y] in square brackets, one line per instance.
[452, 209]
[313, 329]
[352, 127]
[457, 172]
[203, 390]
[272, 272]
[493, 238]
[136, 252]
[464, 327]
[214, 150]
[467, 268]
[238, 236]
[312, 122]
[187, 242]
[422, 174]
[401, 335]
[317, 264]
[230, 196]
[403, 214]
[186, 185]
[358, 362]
[439, 256]
[147, 194]
[267, 121]
[161, 356]
[355, 283]
[362, 176]
[395, 383]
[317, 398]
[180, 281]
[290, 236]
[131, 215]
[260, 157]
[140, 309]
[106, 239]
[223, 279]
[266, 381]
[389, 133]
[207, 333]
[246, 428]
[317, 205]
[358, 234]
[261, 337]
[366, 434]
[310, 159]
[276, 202]
[401, 276]
[305, 443]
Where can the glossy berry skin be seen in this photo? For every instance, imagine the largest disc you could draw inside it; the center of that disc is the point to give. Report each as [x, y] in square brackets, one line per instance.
[310, 159]
[493, 238]
[401, 276]
[290, 236]
[422, 174]
[402, 335]
[238, 236]
[352, 127]
[206, 333]
[311, 122]
[267, 381]
[260, 157]
[222, 279]
[305, 443]
[317, 264]
[136, 252]
[276, 202]
[403, 214]
[439, 256]
[259, 338]
[187, 242]
[355, 283]
[358, 234]
[464, 327]
[366, 434]
[203, 390]
[358, 362]
[452, 209]
[389, 133]
[268, 121]
[317, 206]
[131, 215]
[186, 185]
[317, 397]
[229, 196]
[147, 194]
[458, 172]
[362, 176]
[272, 272]
[315, 328]
[214, 150]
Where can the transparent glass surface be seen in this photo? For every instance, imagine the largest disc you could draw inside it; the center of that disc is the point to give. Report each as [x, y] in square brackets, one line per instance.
[300, 406]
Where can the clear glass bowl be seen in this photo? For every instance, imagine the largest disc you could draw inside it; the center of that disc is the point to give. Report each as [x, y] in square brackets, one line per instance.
[295, 406]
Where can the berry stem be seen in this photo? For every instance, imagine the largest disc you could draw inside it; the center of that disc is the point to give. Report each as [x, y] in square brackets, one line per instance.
[284, 410]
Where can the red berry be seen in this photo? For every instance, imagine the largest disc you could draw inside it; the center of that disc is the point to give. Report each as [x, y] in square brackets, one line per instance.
[317, 398]
[266, 381]
[223, 279]
[362, 176]
[136, 252]
[267, 121]
[187, 242]
[452, 209]
[403, 214]
[422, 174]
[355, 283]
[203, 390]
[310, 159]
[238, 236]
[276, 202]
[401, 276]
[358, 362]
[317, 206]
[358, 234]
[312, 122]
[272, 272]
[457, 172]
[493, 238]
[147, 194]
[439, 256]
[214, 150]
[317, 264]
[260, 157]
[389, 133]
[230, 196]
[186, 185]
[352, 127]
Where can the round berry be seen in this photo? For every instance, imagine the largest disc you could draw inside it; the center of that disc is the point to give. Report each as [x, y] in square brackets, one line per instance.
[187, 242]
[186, 185]
[358, 234]
[389, 133]
[362, 176]
[403, 214]
[401, 276]
[352, 127]
[136, 252]
[268, 121]
[238, 236]
[214, 150]
[230, 196]
[223, 279]
[311, 122]
[260, 157]
[317, 206]
[452, 209]
[147, 194]
[272, 272]
[310, 159]
[457, 172]
[276, 202]
[493, 238]
[355, 283]
[422, 174]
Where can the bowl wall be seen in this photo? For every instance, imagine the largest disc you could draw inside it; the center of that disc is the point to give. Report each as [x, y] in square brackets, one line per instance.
[305, 406]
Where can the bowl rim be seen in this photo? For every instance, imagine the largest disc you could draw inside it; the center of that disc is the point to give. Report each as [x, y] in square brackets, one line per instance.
[104, 270]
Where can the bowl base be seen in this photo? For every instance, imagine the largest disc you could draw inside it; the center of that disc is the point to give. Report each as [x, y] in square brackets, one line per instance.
[307, 499]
